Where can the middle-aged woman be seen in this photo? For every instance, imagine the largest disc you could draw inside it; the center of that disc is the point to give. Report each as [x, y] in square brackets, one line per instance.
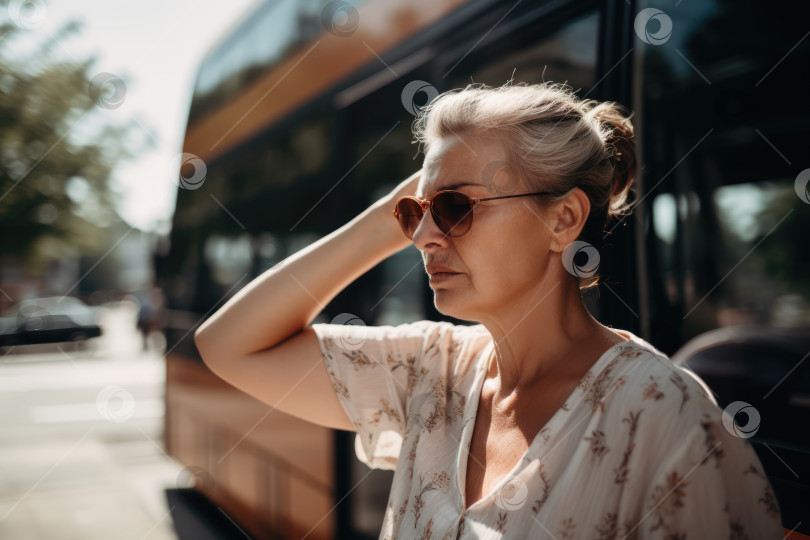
[538, 422]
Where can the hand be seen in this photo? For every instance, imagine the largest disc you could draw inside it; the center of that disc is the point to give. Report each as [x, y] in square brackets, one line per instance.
[385, 208]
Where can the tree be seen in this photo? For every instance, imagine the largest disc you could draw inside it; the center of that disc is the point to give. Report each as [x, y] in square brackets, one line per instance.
[54, 189]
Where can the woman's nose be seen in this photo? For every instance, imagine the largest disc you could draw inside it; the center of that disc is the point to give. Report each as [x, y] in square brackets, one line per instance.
[427, 233]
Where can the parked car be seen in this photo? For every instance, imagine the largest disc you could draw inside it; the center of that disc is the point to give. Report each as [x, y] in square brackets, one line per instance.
[49, 320]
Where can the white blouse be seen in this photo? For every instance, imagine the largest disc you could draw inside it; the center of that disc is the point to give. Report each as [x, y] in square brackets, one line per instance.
[638, 450]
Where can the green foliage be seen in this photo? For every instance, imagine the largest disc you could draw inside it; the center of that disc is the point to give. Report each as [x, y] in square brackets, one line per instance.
[54, 176]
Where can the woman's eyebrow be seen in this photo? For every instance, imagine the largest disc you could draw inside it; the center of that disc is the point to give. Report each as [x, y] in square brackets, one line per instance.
[458, 185]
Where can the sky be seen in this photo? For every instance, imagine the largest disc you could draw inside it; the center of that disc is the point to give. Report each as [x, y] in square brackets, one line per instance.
[155, 47]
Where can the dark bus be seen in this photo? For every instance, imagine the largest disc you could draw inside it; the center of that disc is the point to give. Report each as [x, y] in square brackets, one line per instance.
[301, 118]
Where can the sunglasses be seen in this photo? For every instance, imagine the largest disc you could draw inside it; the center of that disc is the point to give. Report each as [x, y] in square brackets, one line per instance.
[452, 211]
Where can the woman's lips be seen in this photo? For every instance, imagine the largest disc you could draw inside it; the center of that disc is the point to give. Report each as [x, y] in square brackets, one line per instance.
[442, 276]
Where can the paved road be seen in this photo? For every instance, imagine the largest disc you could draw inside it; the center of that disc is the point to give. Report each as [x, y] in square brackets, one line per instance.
[81, 451]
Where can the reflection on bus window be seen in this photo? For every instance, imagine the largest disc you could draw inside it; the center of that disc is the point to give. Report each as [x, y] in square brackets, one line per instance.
[665, 217]
[264, 38]
[739, 255]
[228, 258]
[766, 285]
[567, 55]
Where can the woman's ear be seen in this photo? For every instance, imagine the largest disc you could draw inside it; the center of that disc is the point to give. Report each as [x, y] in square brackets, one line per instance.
[567, 219]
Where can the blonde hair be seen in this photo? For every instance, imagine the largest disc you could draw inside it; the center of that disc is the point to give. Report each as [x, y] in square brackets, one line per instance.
[552, 140]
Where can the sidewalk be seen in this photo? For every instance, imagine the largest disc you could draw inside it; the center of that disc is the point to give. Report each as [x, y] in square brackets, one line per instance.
[69, 467]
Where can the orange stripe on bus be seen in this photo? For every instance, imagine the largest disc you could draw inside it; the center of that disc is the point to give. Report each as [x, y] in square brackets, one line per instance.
[310, 71]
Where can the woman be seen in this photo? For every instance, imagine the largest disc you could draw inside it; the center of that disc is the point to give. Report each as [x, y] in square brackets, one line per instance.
[539, 422]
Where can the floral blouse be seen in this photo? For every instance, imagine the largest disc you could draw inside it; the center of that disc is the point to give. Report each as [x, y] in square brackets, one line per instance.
[638, 450]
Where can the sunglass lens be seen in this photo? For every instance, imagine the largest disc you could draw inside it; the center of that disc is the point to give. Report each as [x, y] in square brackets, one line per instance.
[454, 213]
[409, 214]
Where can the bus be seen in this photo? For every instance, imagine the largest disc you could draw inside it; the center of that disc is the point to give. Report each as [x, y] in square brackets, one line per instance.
[301, 118]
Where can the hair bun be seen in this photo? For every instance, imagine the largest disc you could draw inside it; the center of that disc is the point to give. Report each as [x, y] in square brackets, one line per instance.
[614, 123]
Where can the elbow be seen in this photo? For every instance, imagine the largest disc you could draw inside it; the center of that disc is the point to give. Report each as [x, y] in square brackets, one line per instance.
[198, 335]
[203, 348]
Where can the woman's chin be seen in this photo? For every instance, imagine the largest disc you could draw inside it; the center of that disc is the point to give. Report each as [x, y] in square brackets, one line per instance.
[447, 302]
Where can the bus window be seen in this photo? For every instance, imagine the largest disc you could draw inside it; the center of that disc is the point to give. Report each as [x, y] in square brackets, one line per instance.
[768, 287]
[720, 165]
[266, 37]
[567, 54]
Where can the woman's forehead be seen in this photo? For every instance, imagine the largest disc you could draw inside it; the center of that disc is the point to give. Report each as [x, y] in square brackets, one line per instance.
[442, 178]
[453, 162]
[463, 149]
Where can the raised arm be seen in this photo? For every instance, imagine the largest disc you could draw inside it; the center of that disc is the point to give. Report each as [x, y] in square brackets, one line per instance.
[259, 341]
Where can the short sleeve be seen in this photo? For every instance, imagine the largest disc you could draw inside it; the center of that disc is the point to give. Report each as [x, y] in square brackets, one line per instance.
[712, 485]
[374, 370]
